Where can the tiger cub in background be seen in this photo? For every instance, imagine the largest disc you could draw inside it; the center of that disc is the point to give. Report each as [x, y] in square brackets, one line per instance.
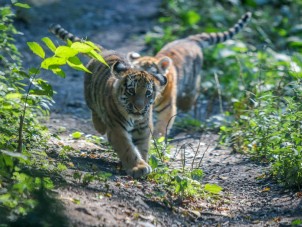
[120, 99]
[180, 61]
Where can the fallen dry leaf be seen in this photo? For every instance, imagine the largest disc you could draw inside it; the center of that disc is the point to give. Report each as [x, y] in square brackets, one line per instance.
[266, 189]
[277, 219]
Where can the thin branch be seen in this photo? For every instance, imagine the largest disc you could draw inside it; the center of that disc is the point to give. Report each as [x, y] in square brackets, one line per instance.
[219, 93]
[195, 155]
[166, 134]
[22, 116]
[156, 147]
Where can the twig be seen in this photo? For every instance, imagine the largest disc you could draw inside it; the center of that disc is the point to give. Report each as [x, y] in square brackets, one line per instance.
[196, 154]
[219, 93]
[184, 159]
[199, 164]
[155, 145]
[22, 116]
[166, 134]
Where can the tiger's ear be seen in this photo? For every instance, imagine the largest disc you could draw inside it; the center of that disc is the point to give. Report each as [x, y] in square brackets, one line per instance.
[131, 56]
[161, 78]
[164, 63]
[118, 67]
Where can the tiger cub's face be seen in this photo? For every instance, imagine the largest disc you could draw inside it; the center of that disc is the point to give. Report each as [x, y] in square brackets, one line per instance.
[138, 89]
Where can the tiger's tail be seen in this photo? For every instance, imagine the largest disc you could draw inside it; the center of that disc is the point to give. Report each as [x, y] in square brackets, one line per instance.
[63, 34]
[207, 39]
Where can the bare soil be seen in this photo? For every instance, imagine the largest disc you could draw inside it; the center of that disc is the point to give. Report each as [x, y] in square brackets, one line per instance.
[249, 197]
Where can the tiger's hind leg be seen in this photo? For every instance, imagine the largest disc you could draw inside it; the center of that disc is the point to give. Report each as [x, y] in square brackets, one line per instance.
[98, 124]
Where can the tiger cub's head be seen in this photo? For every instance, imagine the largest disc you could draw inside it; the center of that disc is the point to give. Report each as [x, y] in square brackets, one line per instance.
[150, 64]
[136, 89]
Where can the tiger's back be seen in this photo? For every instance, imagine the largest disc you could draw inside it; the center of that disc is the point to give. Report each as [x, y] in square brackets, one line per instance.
[187, 59]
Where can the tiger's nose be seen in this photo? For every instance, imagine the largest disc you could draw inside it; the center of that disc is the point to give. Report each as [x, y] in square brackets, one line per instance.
[139, 105]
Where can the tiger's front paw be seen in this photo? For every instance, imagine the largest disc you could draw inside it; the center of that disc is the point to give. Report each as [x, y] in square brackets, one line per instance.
[140, 169]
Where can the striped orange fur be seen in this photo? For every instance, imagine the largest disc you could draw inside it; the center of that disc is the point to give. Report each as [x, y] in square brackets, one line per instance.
[181, 62]
[120, 99]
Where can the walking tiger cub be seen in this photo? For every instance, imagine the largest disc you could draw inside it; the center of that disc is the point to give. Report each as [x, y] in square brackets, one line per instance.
[180, 61]
[120, 99]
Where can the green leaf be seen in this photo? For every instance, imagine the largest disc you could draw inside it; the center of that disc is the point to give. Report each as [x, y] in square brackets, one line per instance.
[58, 71]
[75, 63]
[98, 57]
[191, 17]
[153, 161]
[45, 89]
[94, 46]
[5, 12]
[65, 52]
[13, 96]
[3, 27]
[51, 61]
[296, 222]
[5, 197]
[161, 139]
[34, 71]
[76, 135]
[76, 201]
[196, 174]
[212, 188]
[49, 44]
[81, 47]
[36, 49]
[22, 5]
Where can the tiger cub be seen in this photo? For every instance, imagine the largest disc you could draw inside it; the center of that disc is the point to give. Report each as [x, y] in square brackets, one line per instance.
[180, 61]
[120, 99]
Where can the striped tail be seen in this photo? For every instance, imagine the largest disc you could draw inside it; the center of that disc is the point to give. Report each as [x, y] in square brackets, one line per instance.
[63, 34]
[207, 39]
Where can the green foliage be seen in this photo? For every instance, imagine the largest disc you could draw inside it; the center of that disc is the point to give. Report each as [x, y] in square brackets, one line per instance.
[76, 135]
[271, 130]
[296, 222]
[178, 183]
[189, 124]
[22, 138]
[65, 55]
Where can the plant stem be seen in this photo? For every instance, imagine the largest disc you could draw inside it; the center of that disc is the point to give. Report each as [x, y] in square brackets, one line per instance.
[22, 116]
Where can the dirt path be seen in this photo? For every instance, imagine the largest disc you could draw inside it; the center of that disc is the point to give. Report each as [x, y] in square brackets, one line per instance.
[248, 198]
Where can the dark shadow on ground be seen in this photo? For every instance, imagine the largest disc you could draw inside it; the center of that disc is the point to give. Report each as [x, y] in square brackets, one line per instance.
[48, 212]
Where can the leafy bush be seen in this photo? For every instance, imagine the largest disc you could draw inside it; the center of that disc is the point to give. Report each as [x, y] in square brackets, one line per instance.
[22, 138]
[17, 186]
[271, 130]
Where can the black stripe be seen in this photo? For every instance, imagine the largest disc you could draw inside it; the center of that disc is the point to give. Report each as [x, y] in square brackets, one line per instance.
[138, 129]
[135, 141]
[117, 116]
[237, 28]
[226, 35]
[165, 107]
[220, 37]
[212, 37]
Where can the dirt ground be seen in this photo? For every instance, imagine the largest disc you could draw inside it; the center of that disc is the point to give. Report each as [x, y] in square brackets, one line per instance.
[248, 198]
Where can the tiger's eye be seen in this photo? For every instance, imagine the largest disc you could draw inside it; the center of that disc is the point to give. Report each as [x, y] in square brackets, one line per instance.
[131, 91]
[148, 93]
